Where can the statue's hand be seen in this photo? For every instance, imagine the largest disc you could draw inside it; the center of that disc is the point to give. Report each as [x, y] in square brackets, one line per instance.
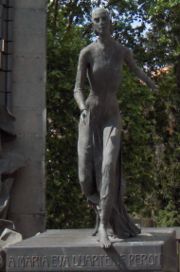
[84, 115]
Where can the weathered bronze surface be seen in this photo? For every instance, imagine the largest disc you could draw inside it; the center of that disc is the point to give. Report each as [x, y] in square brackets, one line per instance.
[99, 143]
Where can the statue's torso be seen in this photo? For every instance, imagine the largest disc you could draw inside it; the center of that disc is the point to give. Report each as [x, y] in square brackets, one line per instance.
[104, 74]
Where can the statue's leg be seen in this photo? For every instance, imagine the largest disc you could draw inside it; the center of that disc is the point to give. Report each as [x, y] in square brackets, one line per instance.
[111, 145]
[86, 166]
[85, 159]
[95, 232]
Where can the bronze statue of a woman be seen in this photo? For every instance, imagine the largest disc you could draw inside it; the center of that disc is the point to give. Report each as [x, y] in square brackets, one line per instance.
[100, 127]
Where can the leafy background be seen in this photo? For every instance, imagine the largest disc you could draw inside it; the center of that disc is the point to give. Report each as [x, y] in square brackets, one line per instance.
[151, 120]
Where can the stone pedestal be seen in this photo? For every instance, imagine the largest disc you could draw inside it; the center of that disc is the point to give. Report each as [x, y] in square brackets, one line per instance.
[77, 250]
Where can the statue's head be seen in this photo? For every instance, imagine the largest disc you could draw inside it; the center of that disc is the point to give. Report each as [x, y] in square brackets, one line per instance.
[101, 21]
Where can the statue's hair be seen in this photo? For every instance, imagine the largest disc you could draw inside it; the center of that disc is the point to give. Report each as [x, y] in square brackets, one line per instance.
[100, 9]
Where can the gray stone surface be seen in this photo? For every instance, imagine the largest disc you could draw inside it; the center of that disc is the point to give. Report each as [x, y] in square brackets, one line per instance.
[76, 250]
[27, 207]
[30, 4]
[30, 222]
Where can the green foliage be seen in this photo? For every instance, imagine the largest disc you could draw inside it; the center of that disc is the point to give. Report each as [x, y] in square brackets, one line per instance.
[164, 36]
[151, 150]
[66, 206]
[151, 132]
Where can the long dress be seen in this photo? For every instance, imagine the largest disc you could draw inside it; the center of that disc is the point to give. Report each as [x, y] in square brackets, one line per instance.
[99, 142]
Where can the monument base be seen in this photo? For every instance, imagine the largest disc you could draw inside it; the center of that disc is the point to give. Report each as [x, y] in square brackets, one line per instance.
[76, 250]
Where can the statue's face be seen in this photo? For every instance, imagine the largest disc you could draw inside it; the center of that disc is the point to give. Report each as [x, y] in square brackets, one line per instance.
[101, 21]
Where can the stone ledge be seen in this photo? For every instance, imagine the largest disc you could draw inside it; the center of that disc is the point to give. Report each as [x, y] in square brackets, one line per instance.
[76, 250]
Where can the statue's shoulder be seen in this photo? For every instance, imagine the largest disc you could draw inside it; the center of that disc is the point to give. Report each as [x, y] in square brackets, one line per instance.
[87, 49]
[122, 48]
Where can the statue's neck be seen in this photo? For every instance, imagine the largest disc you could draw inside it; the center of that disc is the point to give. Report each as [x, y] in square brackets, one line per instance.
[105, 40]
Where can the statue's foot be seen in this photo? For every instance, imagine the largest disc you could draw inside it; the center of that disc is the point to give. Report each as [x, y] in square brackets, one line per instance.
[112, 234]
[103, 237]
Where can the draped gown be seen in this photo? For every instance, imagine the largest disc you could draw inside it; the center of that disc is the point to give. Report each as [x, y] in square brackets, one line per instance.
[99, 141]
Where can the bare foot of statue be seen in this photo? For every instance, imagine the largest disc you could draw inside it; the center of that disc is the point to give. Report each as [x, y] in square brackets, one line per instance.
[103, 237]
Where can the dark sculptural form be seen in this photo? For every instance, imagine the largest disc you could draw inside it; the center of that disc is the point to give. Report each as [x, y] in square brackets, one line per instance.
[10, 160]
[100, 128]
[10, 163]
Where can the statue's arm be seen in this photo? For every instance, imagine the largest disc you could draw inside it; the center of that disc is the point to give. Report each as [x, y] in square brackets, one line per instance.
[131, 63]
[80, 79]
